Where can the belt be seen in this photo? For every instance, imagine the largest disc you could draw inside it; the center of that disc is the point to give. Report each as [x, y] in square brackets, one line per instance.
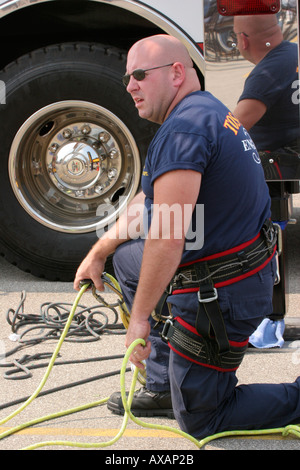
[229, 266]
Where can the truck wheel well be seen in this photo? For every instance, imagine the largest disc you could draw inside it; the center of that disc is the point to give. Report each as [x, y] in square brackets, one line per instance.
[43, 24]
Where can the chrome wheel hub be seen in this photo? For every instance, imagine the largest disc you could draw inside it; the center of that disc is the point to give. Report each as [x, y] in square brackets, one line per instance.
[69, 158]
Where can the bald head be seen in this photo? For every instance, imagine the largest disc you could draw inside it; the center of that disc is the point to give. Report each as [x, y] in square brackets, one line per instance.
[257, 25]
[161, 49]
[261, 34]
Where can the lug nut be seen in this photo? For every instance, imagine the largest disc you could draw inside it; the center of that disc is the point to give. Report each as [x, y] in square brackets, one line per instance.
[53, 147]
[98, 189]
[66, 133]
[85, 129]
[104, 137]
[112, 173]
[113, 153]
[96, 145]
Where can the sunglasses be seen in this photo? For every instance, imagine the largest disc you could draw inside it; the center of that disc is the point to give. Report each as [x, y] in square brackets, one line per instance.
[140, 74]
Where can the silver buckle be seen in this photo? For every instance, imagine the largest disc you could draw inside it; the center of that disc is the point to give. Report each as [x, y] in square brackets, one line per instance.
[210, 299]
[165, 329]
[279, 238]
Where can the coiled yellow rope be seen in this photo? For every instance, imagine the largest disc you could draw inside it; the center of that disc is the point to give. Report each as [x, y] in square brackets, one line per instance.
[285, 431]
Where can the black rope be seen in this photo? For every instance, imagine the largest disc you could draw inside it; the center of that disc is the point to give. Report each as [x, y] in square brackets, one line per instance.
[20, 364]
[50, 322]
[63, 387]
[54, 315]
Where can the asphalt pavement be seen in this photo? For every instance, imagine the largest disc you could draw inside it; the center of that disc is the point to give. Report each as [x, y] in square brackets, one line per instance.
[79, 383]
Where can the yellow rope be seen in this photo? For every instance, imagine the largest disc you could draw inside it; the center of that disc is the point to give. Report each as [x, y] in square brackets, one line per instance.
[52, 360]
[285, 431]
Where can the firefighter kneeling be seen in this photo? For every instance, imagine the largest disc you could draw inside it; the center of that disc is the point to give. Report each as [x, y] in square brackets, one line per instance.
[195, 159]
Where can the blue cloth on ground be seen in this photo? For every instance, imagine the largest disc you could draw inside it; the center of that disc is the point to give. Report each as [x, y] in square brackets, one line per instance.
[269, 334]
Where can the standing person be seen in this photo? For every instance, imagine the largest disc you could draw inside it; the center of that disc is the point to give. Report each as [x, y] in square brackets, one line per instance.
[220, 288]
[266, 107]
[267, 110]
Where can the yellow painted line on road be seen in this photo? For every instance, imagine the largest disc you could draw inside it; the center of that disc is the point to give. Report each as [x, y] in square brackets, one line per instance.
[98, 432]
[111, 432]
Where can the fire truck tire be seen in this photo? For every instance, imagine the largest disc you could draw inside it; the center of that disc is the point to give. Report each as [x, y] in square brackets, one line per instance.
[71, 142]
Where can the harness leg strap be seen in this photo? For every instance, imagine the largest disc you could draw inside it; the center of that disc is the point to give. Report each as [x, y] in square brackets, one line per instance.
[209, 318]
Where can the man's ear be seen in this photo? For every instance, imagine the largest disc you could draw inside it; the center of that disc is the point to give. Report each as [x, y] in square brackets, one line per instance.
[245, 41]
[179, 73]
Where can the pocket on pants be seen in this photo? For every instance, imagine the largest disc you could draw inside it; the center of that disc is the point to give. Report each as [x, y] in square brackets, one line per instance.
[246, 309]
[246, 303]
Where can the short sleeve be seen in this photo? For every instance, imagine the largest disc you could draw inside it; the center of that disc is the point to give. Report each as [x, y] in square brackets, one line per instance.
[179, 151]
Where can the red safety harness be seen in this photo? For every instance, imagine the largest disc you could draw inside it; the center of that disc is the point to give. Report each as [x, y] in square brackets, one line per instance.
[207, 343]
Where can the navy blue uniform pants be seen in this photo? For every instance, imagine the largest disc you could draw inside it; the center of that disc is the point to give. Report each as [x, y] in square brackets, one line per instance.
[206, 401]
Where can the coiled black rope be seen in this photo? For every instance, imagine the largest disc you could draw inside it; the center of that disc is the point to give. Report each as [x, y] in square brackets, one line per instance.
[53, 317]
[50, 322]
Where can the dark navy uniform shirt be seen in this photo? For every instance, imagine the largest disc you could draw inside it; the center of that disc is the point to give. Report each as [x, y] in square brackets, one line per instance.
[274, 81]
[201, 134]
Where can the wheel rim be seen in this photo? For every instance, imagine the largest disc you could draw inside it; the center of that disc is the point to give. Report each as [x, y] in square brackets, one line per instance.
[68, 160]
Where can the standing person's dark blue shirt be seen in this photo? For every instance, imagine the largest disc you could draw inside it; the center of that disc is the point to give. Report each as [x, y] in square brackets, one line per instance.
[273, 82]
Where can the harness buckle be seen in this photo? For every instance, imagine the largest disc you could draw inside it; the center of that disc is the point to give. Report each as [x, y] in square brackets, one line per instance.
[206, 300]
[279, 237]
[270, 235]
[165, 330]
